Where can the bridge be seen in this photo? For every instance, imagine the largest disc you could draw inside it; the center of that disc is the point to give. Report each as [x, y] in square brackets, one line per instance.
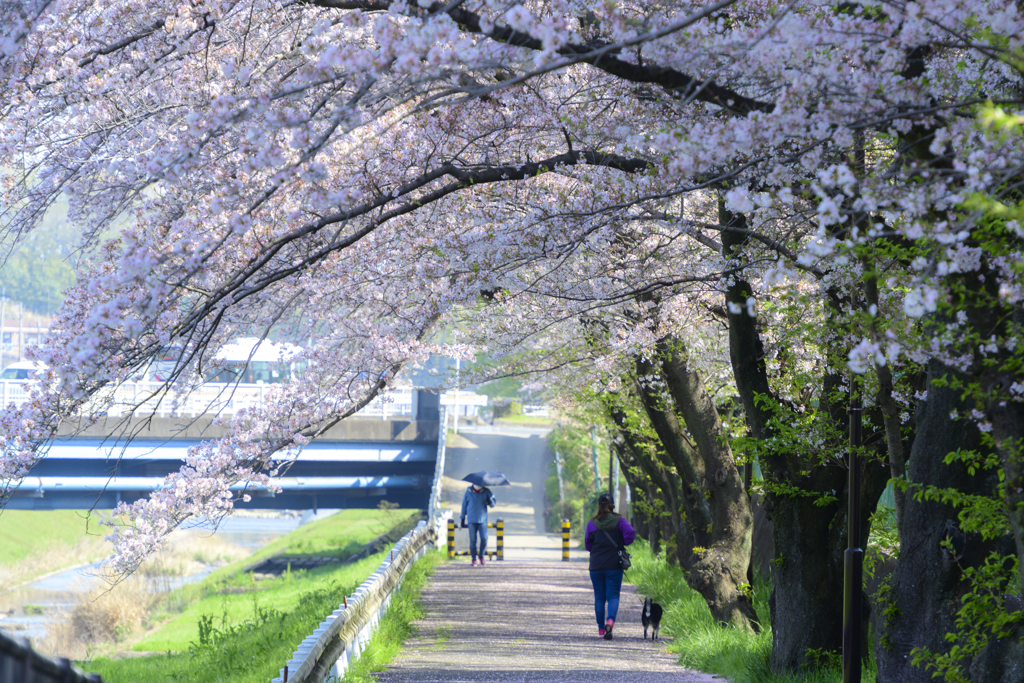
[357, 464]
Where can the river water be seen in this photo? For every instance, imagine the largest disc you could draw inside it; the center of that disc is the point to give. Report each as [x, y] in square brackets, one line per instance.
[27, 610]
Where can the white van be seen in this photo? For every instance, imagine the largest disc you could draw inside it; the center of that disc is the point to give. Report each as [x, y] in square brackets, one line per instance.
[23, 369]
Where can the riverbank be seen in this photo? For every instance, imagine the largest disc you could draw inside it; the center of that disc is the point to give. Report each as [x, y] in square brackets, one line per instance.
[240, 625]
[36, 544]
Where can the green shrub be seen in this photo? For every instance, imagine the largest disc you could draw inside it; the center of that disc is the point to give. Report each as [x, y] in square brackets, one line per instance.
[707, 646]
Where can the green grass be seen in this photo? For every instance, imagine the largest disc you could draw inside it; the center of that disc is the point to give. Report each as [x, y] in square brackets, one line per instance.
[230, 592]
[242, 638]
[396, 625]
[524, 420]
[26, 532]
[341, 535]
[230, 628]
[255, 647]
[235, 599]
[706, 646]
[247, 629]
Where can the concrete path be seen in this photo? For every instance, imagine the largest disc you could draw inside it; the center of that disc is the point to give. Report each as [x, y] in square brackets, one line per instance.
[529, 618]
[527, 622]
[521, 455]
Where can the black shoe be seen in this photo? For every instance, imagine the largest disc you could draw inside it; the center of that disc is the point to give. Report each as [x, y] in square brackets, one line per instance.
[608, 629]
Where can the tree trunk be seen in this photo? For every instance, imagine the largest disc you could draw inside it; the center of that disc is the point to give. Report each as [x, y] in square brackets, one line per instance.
[716, 573]
[926, 583]
[809, 539]
[1008, 432]
[706, 503]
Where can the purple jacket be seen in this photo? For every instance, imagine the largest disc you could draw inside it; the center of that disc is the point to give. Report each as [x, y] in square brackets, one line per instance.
[604, 552]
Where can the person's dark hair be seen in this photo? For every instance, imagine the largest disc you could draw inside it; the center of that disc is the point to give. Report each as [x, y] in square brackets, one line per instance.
[605, 504]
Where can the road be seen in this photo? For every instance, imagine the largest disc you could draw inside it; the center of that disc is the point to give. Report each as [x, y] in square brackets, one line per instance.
[521, 455]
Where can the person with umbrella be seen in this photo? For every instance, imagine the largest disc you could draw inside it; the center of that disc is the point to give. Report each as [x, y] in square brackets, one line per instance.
[475, 502]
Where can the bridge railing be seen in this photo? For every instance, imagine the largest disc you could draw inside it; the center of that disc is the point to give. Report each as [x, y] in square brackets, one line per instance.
[142, 398]
[146, 398]
[13, 392]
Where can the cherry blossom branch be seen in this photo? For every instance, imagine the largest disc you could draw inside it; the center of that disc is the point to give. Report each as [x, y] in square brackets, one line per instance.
[239, 286]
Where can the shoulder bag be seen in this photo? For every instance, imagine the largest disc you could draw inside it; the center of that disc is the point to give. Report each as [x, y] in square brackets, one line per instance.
[625, 562]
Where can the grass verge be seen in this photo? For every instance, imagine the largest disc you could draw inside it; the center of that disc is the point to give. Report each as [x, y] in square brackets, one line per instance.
[34, 543]
[396, 625]
[240, 637]
[341, 535]
[706, 646]
[232, 608]
[525, 421]
[238, 598]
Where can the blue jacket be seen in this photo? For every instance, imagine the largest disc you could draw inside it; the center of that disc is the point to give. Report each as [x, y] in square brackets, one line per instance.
[474, 505]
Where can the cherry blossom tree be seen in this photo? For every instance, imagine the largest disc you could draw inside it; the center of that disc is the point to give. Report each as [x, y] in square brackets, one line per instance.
[357, 172]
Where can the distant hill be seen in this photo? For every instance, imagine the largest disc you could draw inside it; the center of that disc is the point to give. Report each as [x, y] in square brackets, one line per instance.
[37, 270]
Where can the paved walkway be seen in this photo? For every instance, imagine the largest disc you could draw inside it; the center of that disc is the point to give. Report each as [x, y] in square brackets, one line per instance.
[529, 618]
[527, 622]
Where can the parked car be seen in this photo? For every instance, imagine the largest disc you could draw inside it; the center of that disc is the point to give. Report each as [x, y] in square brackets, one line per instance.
[23, 369]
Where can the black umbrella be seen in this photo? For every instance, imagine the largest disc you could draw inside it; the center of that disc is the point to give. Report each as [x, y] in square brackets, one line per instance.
[486, 478]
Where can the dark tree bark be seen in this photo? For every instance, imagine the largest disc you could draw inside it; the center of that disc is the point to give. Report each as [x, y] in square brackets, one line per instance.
[927, 584]
[809, 538]
[679, 444]
[1008, 432]
[718, 513]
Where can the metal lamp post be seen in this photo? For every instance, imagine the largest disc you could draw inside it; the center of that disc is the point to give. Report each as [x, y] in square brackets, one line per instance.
[854, 556]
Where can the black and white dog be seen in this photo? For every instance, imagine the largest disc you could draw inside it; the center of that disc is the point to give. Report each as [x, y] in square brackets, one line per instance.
[651, 617]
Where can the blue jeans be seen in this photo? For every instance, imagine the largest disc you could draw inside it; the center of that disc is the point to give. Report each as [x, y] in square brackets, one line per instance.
[607, 584]
[474, 529]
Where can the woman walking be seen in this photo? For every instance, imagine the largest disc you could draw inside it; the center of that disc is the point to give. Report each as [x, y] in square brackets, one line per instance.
[607, 533]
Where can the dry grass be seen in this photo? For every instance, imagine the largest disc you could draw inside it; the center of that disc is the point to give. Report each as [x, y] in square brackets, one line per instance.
[108, 613]
[190, 552]
[100, 618]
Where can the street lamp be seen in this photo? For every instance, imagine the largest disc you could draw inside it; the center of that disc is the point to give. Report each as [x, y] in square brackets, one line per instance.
[854, 556]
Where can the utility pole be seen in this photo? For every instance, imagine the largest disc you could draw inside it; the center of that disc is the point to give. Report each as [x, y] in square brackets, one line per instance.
[853, 578]
[561, 481]
[455, 402]
[597, 469]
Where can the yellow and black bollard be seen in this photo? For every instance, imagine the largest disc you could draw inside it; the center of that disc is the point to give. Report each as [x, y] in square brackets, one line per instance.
[566, 527]
[501, 539]
[451, 538]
